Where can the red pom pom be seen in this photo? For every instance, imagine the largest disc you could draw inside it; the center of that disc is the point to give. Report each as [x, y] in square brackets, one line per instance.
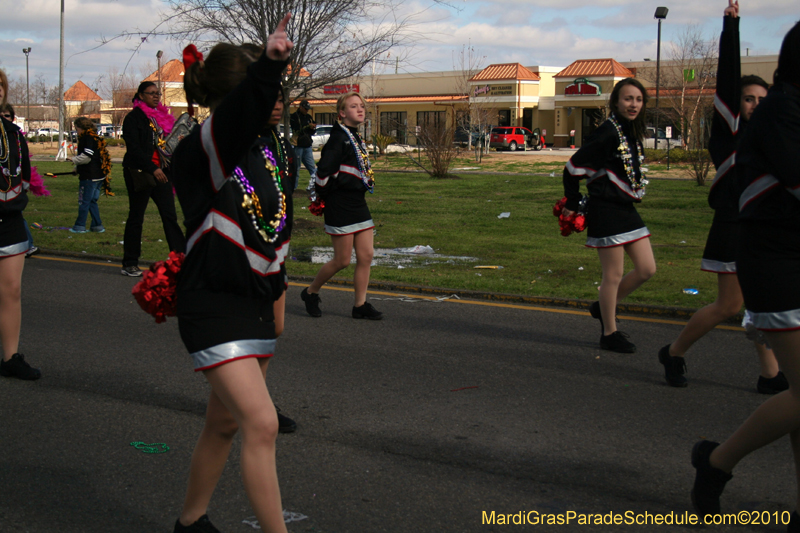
[579, 224]
[156, 292]
[567, 224]
[317, 207]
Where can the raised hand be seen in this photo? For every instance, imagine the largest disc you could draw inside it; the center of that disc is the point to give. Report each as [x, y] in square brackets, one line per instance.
[279, 47]
[733, 9]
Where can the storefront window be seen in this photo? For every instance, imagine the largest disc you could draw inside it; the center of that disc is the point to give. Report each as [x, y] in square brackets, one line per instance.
[504, 117]
[394, 124]
[325, 118]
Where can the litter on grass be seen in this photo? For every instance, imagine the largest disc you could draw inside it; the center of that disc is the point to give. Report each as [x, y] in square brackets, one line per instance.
[490, 267]
[691, 290]
[413, 257]
[504, 215]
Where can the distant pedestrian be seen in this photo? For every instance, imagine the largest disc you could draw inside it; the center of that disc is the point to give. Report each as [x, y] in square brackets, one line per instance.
[14, 183]
[94, 166]
[303, 127]
[146, 174]
[343, 180]
[610, 161]
[767, 262]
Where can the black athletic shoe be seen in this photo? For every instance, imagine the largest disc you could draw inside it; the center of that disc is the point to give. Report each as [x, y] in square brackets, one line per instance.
[674, 368]
[617, 342]
[312, 303]
[367, 311]
[709, 482]
[794, 523]
[594, 310]
[772, 386]
[16, 367]
[202, 525]
[285, 424]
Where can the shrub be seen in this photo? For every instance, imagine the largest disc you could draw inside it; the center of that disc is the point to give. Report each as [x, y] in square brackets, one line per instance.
[382, 141]
[110, 141]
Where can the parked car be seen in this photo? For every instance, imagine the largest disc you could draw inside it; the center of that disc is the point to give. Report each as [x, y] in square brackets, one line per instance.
[514, 138]
[650, 141]
[463, 136]
[321, 136]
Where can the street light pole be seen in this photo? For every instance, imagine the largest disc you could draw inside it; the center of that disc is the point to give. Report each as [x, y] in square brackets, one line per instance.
[661, 14]
[27, 51]
[160, 88]
[62, 152]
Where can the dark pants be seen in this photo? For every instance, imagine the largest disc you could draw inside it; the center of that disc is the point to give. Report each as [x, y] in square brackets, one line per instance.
[137, 201]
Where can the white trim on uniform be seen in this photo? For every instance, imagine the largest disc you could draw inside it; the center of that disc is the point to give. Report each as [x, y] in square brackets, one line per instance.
[231, 351]
[210, 148]
[726, 114]
[618, 240]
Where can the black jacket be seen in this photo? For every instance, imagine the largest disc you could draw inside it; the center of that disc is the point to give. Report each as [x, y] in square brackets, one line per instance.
[225, 253]
[600, 163]
[93, 169]
[302, 128]
[140, 142]
[14, 190]
[768, 161]
[727, 128]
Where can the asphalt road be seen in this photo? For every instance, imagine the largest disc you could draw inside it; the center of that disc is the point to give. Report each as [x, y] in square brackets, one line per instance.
[418, 423]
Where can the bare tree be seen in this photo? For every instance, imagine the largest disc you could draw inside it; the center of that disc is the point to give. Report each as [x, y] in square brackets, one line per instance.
[333, 39]
[688, 83]
[436, 139]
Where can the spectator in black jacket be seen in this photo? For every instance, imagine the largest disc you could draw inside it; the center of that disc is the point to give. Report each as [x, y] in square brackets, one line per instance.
[90, 162]
[303, 127]
[143, 128]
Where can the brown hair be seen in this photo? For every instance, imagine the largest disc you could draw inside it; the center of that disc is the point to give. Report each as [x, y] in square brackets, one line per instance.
[4, 83]
[208, 82]
[8, 108]
[342, 101]
[84, 123]
[638, 125]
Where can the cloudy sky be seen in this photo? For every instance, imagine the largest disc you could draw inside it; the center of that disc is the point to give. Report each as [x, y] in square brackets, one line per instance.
[531, 32]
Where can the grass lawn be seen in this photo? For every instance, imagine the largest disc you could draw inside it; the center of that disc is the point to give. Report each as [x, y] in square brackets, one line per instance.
[456, 217]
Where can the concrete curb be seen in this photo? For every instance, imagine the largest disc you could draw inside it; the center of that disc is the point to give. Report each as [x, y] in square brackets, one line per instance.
[654, 311]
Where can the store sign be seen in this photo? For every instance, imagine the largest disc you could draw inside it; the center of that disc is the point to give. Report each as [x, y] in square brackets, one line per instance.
[340, 89]
[494, 90]
[582, 87]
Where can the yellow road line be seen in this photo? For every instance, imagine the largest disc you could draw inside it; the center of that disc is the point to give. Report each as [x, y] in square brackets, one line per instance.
[434, 298]
[516, 306]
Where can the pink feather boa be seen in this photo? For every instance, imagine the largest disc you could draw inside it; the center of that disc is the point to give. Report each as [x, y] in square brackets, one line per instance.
[160, 114]
[38, 187]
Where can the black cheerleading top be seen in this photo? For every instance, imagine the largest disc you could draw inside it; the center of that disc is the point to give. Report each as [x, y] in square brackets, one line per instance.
[13, 156]
[768, 162]
[224, 251]
[339, 181]
[600, 162]
[727, 127]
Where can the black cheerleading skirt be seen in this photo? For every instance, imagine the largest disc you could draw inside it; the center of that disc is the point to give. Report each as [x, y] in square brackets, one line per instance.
[613, 224]
[720, 253]
[218, 328]
[346, 212]
[13, 237]
[768, 263]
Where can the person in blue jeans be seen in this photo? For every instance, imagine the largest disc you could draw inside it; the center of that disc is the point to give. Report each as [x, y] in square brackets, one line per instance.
[92, 164]
[303, 127]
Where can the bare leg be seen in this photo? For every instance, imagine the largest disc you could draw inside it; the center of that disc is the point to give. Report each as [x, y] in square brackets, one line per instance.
[766, 360]
[729, 302]
[364, 254]
[279, 311]
[11, 303]
[644, 267]
[241, 395]
[342, 251]
[612, 263]
[774, 418]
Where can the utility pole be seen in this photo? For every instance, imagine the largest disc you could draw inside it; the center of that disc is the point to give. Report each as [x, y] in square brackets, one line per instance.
[27, 51]
[62, 149]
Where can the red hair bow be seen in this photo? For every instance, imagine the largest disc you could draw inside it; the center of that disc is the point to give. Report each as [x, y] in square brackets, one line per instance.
[190, 56]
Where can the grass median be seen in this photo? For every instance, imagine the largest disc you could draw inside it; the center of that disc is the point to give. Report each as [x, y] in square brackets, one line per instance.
[455, 217]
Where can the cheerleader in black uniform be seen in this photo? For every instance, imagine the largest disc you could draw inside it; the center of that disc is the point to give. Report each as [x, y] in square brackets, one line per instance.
[735, 100]
[610, 161]
[230, 294]
[343, 178]
[768, 263]
[15, 179]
